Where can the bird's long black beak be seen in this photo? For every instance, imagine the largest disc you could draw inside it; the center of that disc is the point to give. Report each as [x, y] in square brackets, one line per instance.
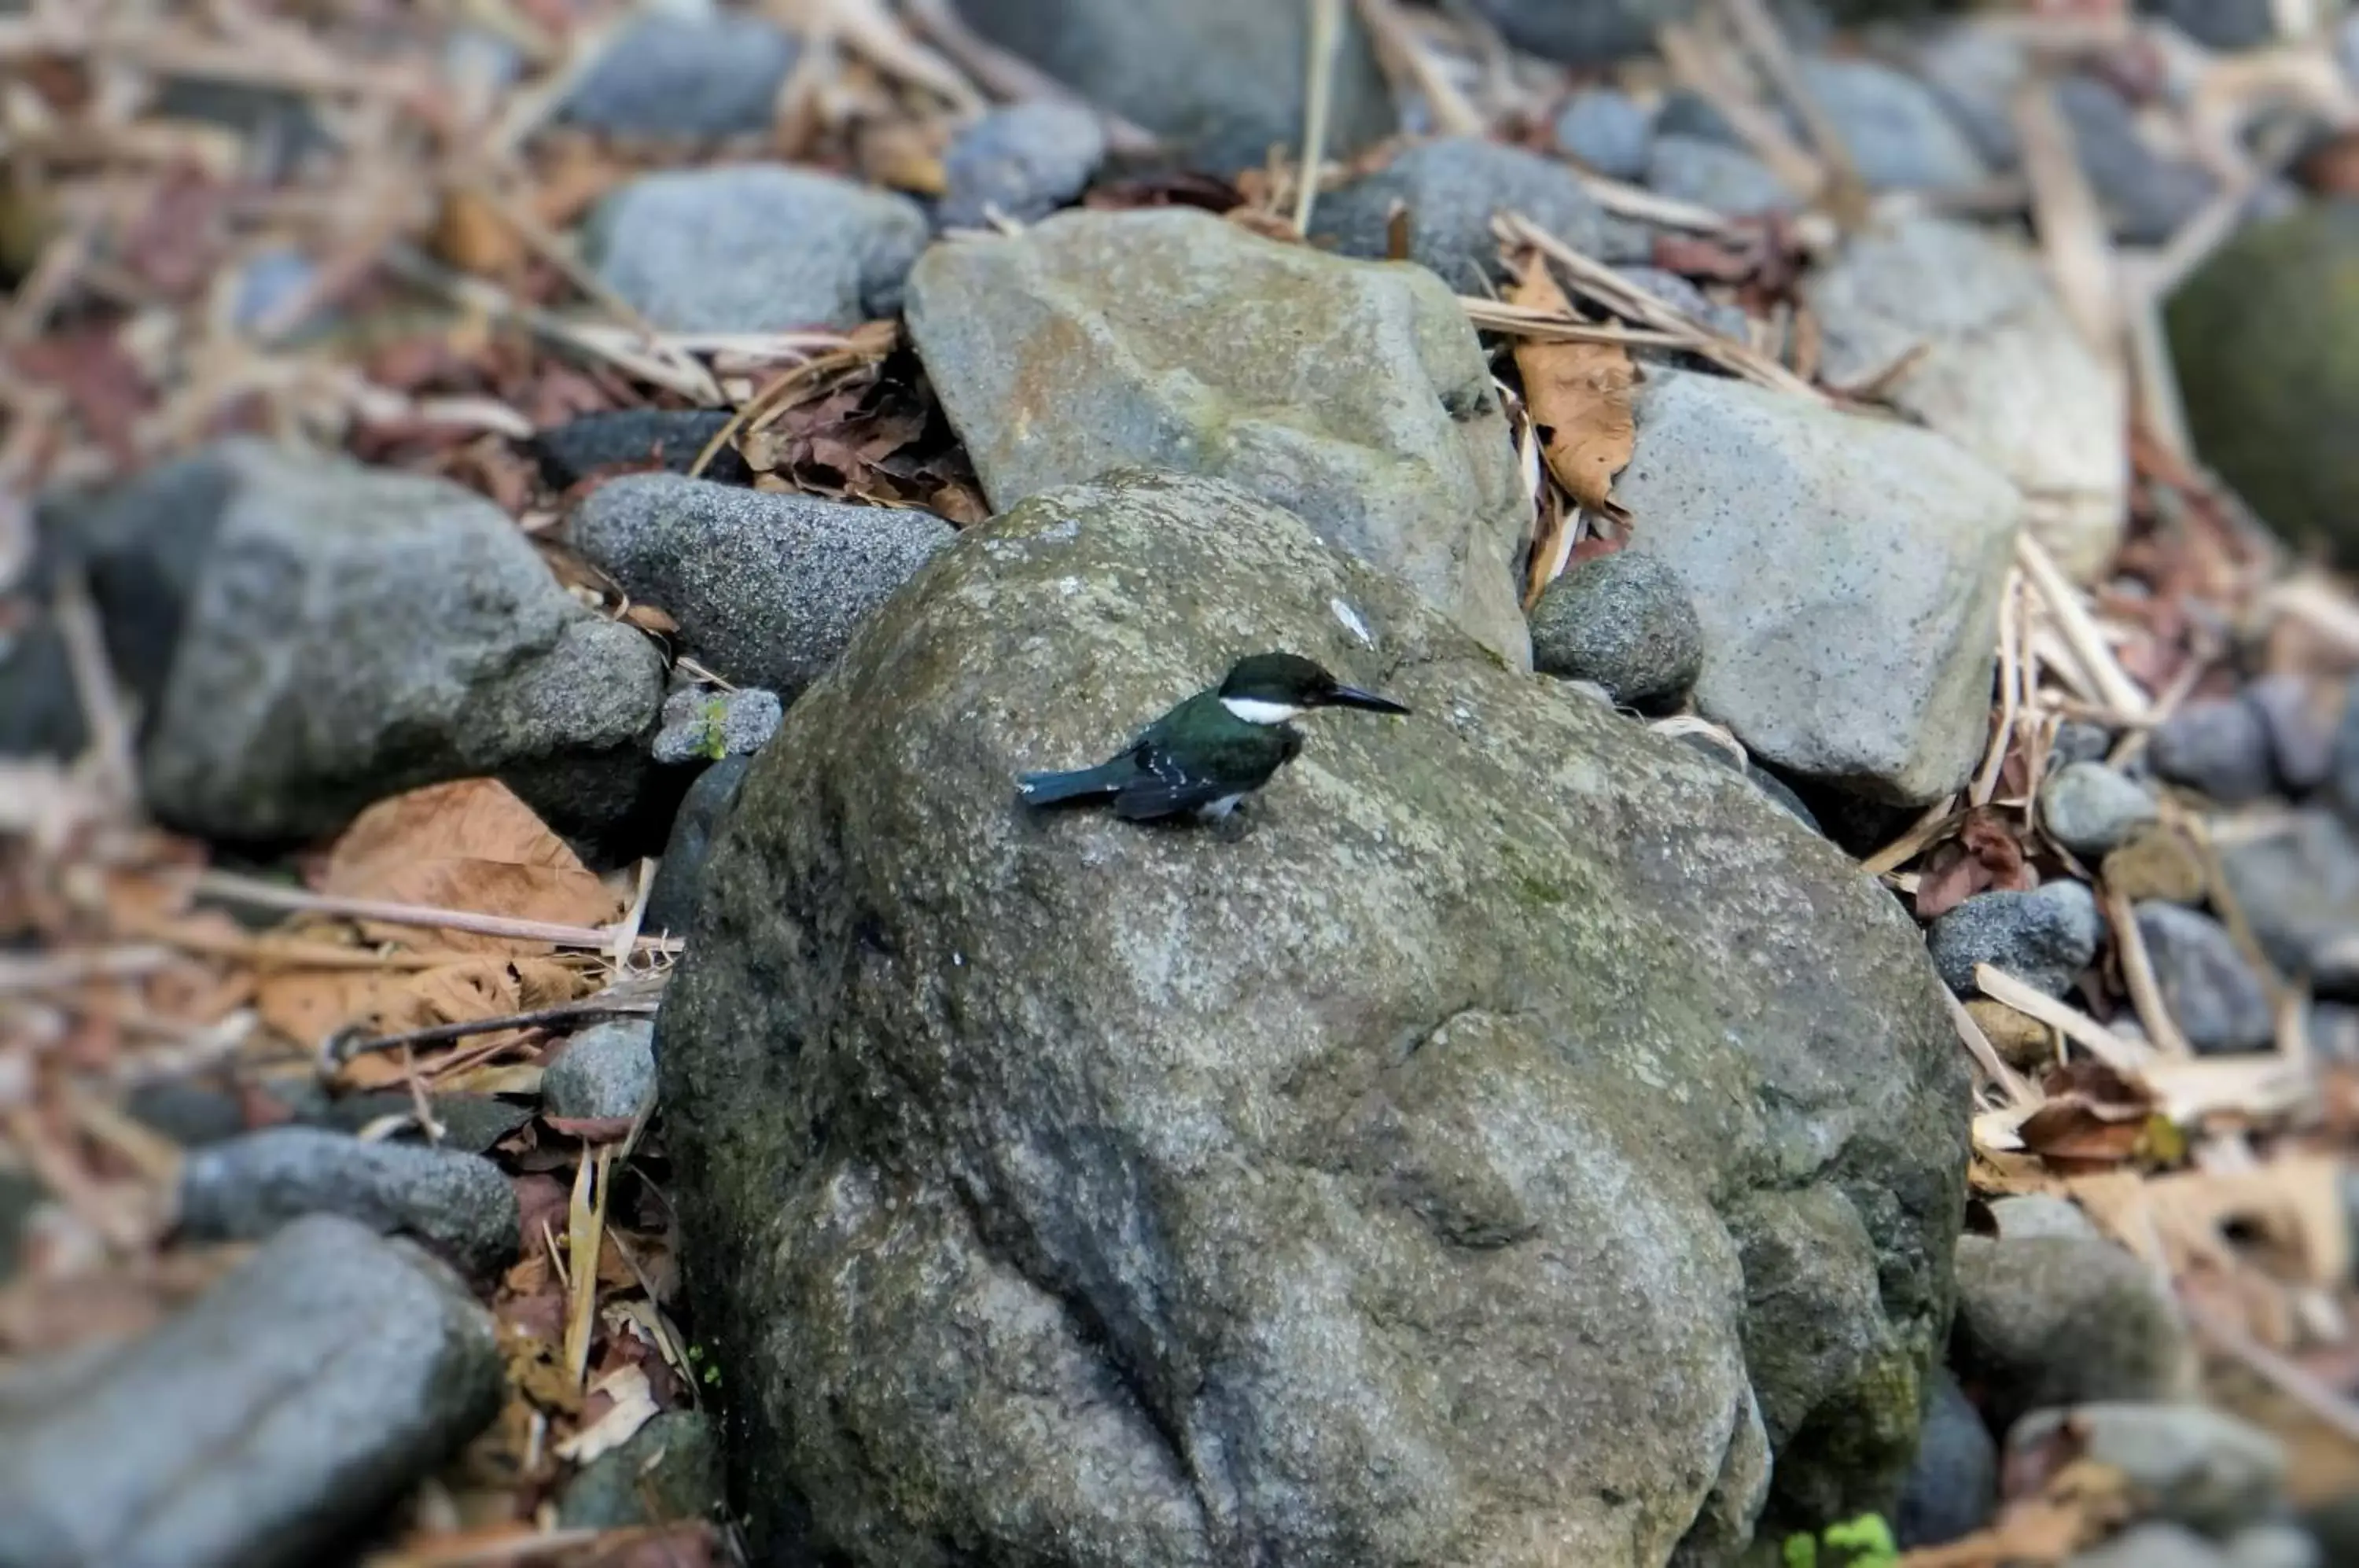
[1353, 697]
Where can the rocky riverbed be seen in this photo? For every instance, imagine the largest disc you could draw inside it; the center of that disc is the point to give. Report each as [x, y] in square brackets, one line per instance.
[535, 1027]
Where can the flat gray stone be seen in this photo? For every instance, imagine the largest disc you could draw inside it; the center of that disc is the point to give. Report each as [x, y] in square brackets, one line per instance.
[1858, 650]
[1609, 131]
[1353, 393]
[2300, 717]
[2218, 24]
[1623, 621]
[2028, 1214]
[2044, 938]
[754, 248]
[2220, 746]
[2047, 1320]
[1712, 174]
[1976, 70]
[2153, 1545]
[2298, 884]
[668, 75]
[1022, 162]
[1450, 190]
[259, 1428]
[246, 1188]
[1221, 78]
[311, 636]
[1584, 32]
[2090, 808]
[767, 587]
[2217, 1000]
[607, 1071]
[2187, 1464]
[1365, 1163]
[1894, 127]
[2147, 191]
[1999, 367]
[2275, 1546]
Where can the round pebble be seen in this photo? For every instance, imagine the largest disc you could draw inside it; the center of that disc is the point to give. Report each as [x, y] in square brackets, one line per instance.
[2022, 1040]
[2089, 808]
[2298, 718]
[1623, 621]
[1022, 163]
[605, 1072]
[2043, 937]
[2157, 863]
[1608, 131]
[2219, 1002]
[2220, 747]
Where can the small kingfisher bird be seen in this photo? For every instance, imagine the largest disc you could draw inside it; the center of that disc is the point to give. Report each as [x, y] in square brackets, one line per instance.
[1212, 750]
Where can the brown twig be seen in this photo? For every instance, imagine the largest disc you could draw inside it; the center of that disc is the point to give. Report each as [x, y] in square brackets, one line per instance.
[339, 1048]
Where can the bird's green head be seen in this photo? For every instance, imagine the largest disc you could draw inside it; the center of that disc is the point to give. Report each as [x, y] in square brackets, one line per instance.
[1271, 688]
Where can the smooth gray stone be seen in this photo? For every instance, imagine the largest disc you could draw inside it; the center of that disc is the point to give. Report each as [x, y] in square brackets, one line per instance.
[262, 1426]
[247, 1188]
[607, 1071]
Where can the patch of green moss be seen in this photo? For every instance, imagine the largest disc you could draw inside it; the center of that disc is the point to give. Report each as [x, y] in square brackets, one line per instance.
[1863, 1542]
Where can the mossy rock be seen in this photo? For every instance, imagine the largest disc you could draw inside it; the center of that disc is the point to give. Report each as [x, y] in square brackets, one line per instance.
[1511, 1135]
[2266, 341]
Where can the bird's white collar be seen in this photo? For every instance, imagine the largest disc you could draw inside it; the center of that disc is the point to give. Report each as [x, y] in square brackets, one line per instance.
[1254, 711]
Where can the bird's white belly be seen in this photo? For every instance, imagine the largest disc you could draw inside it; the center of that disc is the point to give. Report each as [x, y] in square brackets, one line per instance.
[1213, 810]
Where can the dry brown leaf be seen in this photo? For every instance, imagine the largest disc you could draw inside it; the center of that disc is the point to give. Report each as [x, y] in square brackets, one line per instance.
[471, 235]
[2288, 1211]
[1984, 855]
[1579, 398]
[468, 846]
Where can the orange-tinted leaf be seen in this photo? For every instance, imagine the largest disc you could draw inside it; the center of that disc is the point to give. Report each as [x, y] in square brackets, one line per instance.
[1580, 398]
[469, 845]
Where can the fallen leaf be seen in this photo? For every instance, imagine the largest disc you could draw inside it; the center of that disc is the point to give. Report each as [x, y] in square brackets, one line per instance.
[2093, 1118]
[471, 235]
[634, 1406]
[468, 846]
[1580, 398]
[1984, 855]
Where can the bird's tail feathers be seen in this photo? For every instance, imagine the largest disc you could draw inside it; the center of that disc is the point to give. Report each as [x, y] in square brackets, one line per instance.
[1081, 784]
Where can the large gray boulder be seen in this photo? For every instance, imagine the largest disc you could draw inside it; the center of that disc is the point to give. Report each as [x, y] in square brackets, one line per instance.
[1448, 1164]
[309, 635]
[1351, 393]
[1224, 80]
[259, 1428]
[1847, 569]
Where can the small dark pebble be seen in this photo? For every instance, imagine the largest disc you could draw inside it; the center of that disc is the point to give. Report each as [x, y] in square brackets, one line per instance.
[2043, 937]
[1022, 162]
[672, 900]
[2221, 748]
[1952, 1488]
[1623, 621]
[574, 451]
[2301, 728]
[668, 1470]
[2212, 994]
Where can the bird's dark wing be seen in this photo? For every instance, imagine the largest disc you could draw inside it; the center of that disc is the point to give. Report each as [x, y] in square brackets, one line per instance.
[1185, 768]
[1148, 799]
